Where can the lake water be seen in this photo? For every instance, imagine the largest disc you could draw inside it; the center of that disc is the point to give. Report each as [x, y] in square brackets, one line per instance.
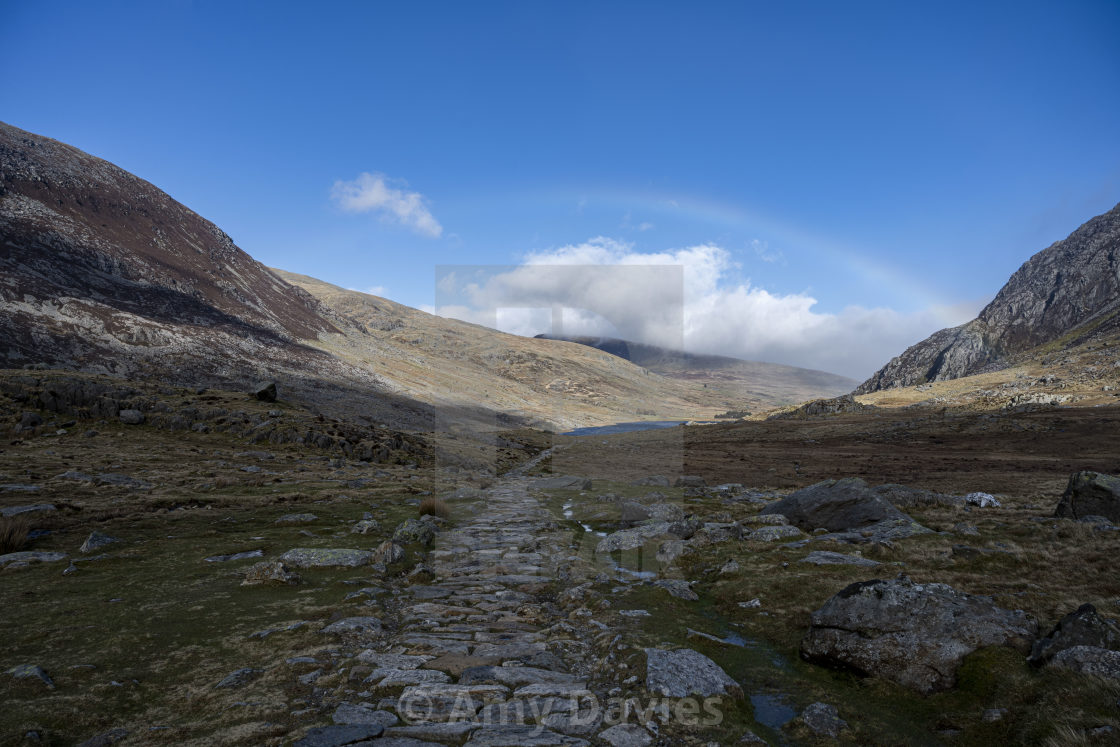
[606, 430]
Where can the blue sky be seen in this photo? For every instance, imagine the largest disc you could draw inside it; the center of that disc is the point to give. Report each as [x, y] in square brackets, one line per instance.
[862, 173]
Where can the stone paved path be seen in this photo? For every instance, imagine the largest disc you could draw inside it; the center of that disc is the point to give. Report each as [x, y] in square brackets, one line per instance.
[480, 655]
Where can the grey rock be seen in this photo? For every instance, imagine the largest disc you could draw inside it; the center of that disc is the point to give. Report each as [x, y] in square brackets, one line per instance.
[1056, 291]
[626, 735]
[268, 573]
[1082, 627]
[670, 551]
[365, 526]
[123, 481]
[633, 512]
[131, 417]
[95, 541]
[991, 715]
[27, 557]
[913, 634]
[1101, 662]
[235, 556]
[1091, 494]
[845, 403]
[666, 512]
[520, 736]
[563, 482]
[513, 676]
[17, 510]
[409, 736]
[690, 481]
[983, 500]
[30, 419]
[348, 714]
[684, 672]
[414, 531]
[355, 626]
[826, 557]
[106, 738]
[239, 677]
[297, 519]
[836, 505]
[677, 588]
[32, 672]
[340, 735]
[715, 533]
[775, 533]
[823, 719]
[388, 552]
[325, 557]
[265, 391]
[629, 539]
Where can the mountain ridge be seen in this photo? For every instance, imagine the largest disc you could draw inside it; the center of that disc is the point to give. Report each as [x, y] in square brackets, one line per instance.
[1072, 285]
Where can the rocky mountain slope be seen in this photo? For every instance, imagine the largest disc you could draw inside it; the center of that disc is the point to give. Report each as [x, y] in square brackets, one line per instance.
[754, 385]
[1059, 297]
[100, 271]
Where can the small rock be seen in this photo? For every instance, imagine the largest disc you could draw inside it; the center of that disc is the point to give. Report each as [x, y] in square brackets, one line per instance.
[823, 719]
[728, 568]
[983, 500]
[775, 533]
[388, 552]
[992, 715]
[239, 677]
[235, 556]
[349, 714]
[827, 557]
[96, 541]
[325, 557]
[274, 572]
[365, 526]
[414, 531]
[32, 672]
[626, 735]
[131, 417]
[104, 740]
[297, 519]
[354, 626]
[677, 588]
[27, 557]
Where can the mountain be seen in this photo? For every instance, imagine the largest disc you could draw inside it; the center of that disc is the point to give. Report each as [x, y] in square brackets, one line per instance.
[751, 384]
[1058, 298]
[102, 272]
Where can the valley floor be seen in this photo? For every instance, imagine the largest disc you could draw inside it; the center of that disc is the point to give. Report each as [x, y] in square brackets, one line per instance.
[527, 615]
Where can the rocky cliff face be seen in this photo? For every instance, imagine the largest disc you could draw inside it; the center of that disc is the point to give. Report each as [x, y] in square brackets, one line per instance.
[1068, 289]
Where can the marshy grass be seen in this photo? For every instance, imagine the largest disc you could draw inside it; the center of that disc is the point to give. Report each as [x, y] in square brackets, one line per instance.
[435, 507]
[13, 534]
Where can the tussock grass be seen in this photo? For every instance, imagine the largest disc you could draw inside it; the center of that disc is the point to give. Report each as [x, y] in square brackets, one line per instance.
[13, 534]
[434, 507]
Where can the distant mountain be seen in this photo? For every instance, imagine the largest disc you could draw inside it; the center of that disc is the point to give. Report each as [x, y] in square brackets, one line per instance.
[1067, 291]
[100, 271]
[752, 384]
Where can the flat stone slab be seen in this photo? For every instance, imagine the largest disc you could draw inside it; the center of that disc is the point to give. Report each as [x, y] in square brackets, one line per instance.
[235, 556]
[354, 626]
[434, 702]
[17, 510]
[350, 714]
[389, 678]
[339, 735]
[684, 672]
[32, 556]
[521, 736]
[392, 661]
[827, 557]
[513, 676]
[325, 557]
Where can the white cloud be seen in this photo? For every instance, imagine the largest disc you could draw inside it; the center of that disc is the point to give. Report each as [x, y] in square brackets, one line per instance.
[685, 296]
[373, 193]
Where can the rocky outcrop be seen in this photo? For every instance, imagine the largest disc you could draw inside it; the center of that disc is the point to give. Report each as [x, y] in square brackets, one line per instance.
[1071, 286]
[913, 634]
[1090, 494]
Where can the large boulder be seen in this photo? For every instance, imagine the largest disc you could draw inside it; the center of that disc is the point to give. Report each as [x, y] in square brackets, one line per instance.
[913, 634]
[1082, 627]
[1101, 662]
[414, 531]
[836, 505]
[1090, 494]
[265, 391]
[630, 539]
